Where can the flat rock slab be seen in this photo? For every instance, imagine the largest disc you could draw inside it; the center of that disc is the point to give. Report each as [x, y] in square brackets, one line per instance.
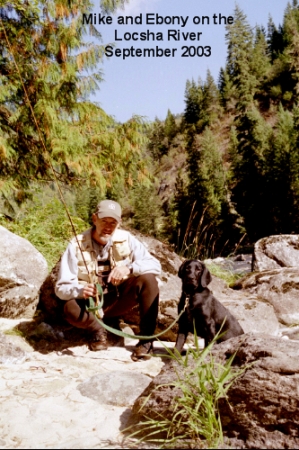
[253, 312]
[118, 388]
[10, 353]
[254, 316]
[275, 252]
[68, 398]
[279, 287]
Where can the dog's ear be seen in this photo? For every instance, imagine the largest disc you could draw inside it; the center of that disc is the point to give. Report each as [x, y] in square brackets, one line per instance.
[206, 277]
[181, 269]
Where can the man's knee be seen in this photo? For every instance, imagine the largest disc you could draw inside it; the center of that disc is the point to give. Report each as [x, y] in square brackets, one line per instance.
[148, 280]
[68, 306]
[72, 310]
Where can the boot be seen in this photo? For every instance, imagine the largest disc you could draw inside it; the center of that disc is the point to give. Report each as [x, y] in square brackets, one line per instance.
[143, 351]
[98, 341]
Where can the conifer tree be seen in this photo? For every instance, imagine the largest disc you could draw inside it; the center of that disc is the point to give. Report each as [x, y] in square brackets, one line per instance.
[291, 37]
[249, 165]
[260, 58]
[283, 174]
[210, 105]
[226, 89]
[282, 83]
[202, 104]
[201, 209]
[170, 127]
[193, 97]
[239, 38]
[274, 40]
[157, 140]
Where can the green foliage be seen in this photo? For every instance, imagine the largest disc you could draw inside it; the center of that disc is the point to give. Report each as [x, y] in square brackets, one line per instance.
[147, 216]
[260, 64]
[49, 67]
[202, 104]
[250, 168]
[170, 127]
[193, 97]
[265, 165]
[158, 142]
[228, 168]
[283, 79]
[201, 209]
[44, 223]
[240, 178]
[239, 40]
[283, 174]
[225, 86]
[228, 276]
[274, 40]
[14, 332]
[195, 418]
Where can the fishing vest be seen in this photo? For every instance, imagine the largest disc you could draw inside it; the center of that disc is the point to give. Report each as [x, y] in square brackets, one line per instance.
[119, 254]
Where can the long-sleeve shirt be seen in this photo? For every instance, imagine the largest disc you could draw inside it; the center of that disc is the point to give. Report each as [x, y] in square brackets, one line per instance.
[68, 286]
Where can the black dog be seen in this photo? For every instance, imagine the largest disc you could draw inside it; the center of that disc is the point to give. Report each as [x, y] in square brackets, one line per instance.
[204, 311]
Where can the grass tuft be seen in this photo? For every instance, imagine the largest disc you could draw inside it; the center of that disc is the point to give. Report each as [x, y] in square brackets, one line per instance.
[14, 332]
[226, 275]
[194, 421]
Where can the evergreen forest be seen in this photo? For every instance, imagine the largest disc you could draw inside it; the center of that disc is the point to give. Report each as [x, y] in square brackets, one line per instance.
[209, 181]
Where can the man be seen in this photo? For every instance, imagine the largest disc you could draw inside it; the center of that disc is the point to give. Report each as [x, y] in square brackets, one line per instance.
[125, 269]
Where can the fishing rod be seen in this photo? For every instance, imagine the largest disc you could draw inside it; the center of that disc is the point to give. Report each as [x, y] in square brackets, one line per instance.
[94, 307]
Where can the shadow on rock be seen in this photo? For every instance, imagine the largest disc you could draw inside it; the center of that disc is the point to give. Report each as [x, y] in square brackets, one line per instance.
[46, 338]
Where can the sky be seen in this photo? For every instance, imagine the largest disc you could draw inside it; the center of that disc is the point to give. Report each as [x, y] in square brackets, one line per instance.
[149, 86]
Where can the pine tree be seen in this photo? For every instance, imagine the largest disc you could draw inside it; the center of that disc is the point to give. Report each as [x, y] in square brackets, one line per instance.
[193, 97]
[291, 37]
[202, 104]
[201, 201]
[239, 38]
[249, 166]
[210, 105]
[157, 140]
[283, 174]
[260, 58]
[227, 90]
[283, 80]
[274, 40]
[170, 127]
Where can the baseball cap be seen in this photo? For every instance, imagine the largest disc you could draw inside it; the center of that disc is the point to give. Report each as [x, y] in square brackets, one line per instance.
[109, 208]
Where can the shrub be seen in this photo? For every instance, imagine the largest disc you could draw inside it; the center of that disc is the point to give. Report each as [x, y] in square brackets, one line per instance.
[46, 226]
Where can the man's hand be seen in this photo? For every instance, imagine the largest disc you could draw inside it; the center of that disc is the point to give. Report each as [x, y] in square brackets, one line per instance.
[89, 290]
[118, 274]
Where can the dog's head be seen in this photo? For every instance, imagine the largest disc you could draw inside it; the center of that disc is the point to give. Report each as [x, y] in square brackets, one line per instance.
[194, 275]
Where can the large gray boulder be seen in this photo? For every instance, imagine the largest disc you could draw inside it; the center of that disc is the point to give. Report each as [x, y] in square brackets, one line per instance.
[22, 271]
[279, 288]
[169, 283]
[275, 252]
[262, 408]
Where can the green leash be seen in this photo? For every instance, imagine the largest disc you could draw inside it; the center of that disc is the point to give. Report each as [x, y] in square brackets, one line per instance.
[93, 308]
